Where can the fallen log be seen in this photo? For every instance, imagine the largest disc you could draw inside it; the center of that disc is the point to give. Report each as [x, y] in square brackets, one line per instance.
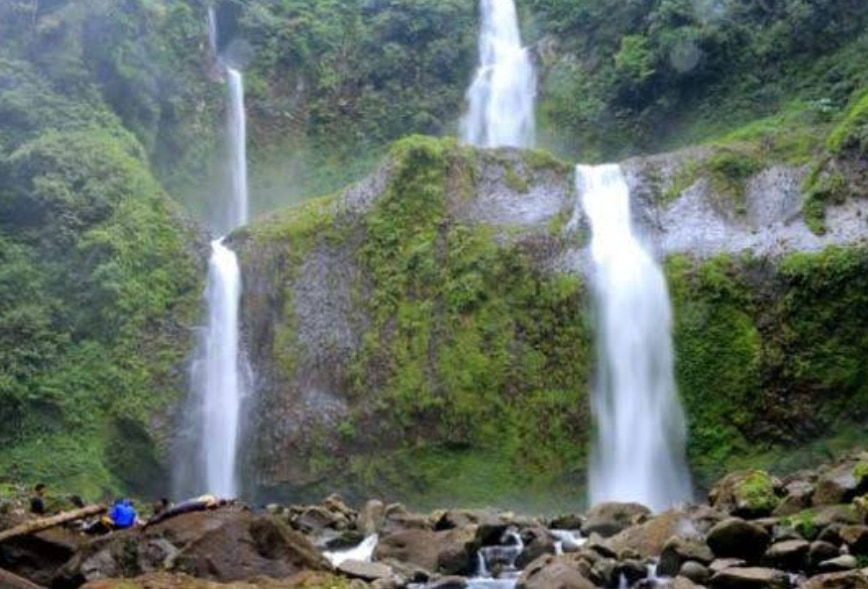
[37, 525]
[11, 581]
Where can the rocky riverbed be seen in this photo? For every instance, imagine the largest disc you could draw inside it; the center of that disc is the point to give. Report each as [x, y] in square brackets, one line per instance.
[807, 529]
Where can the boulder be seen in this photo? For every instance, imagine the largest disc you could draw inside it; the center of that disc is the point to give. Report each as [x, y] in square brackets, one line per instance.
[856, 539]
[449, 552]
[37, 557]
[371, 517]
[223, 545]
[746, 493]
[844, 580]
[678, 583]
[749, 578]
[838, 484]
[631, 570]
[677, 550]
[791, 555]
[721, 564]
[570, 521]
[695, 571]
[165, 580]
[737, 538]
[367, 571]
[607, 519]
[820, 551]
[647, 539]
[845, 562]
[447, 582]
[549, 573]
[537, 541]
[798, 495]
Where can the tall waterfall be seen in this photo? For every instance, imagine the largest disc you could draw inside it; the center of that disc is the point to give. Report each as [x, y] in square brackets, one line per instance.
[639, 454]
[502, 96]
[218, 373]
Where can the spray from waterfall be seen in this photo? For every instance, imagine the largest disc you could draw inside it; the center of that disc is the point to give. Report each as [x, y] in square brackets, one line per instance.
[218, 374]
[639, 453]
[501, 99]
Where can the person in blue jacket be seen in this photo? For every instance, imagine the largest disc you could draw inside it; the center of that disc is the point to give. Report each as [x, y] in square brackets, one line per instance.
[123, 515]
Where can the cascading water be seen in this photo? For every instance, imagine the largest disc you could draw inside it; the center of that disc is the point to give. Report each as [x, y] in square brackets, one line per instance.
[502, 95]
[219, 381]
[640, 441]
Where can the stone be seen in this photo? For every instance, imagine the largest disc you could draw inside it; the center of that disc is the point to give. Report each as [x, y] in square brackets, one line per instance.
[367, 571]
[820, 551]
[549, 573]
[721, 564]
[736, 538]
[450, 552]
[222, 545]
[570, 521]
[607, 519]
[678, 550]
[371, 517]
[695, 571]
[678, 583]
[447, 582]
[845, 562]
[837, 485]
[856, 539]
[631, 570]
[647, 539]
[797, 498]
[537, 541]
[745, 493]
[790, 555]
[844, 580]
[749, 578]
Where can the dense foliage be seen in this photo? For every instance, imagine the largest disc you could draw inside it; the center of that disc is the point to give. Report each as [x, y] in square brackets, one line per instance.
[97, 276]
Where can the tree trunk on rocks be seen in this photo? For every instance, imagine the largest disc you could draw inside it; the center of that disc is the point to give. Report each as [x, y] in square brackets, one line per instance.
[44, 523]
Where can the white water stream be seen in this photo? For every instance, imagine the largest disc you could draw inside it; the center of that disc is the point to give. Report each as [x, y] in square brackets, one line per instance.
[218, 375]
[502, 96]
[639, 454]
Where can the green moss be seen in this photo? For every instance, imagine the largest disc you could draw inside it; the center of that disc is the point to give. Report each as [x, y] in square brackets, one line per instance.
[730, 169]
[860, 471]
[803, 523]
[852, 132]
[756, 492]
[516, 181]
[686, 177]
[823, 188]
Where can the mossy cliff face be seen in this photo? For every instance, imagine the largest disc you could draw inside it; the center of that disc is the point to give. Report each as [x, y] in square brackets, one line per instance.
[427, 335]
[412, 342]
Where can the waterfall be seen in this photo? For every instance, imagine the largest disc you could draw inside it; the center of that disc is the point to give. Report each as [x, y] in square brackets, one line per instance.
[221, 377]
[218, 375]
[237, 149]
[640, 439]
[502, 95]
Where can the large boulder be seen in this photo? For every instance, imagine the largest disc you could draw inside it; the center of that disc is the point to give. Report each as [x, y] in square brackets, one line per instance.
[607, 519]
[737, 538]
[165, 580]
[789, 555]
[549, 572]
[856, 539]
[746, 493]
[844, 580]
[37, 557]
[839, 484]
[648, 538]
[537, 542]
[679, 550]
[750, 578]
[223, 545]
[448, 552]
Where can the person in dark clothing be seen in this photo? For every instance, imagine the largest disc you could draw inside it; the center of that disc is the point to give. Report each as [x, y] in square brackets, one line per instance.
[37, 502]
[76, 501]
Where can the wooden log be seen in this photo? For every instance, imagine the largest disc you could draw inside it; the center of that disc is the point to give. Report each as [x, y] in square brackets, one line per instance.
[11, 581]
[37, 525]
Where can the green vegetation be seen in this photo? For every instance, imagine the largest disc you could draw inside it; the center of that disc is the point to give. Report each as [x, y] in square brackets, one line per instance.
[473, 359]
[756, 492]
[97, 280]
[768, 355]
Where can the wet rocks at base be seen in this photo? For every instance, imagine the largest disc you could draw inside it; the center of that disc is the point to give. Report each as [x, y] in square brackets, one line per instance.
[809, 529]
